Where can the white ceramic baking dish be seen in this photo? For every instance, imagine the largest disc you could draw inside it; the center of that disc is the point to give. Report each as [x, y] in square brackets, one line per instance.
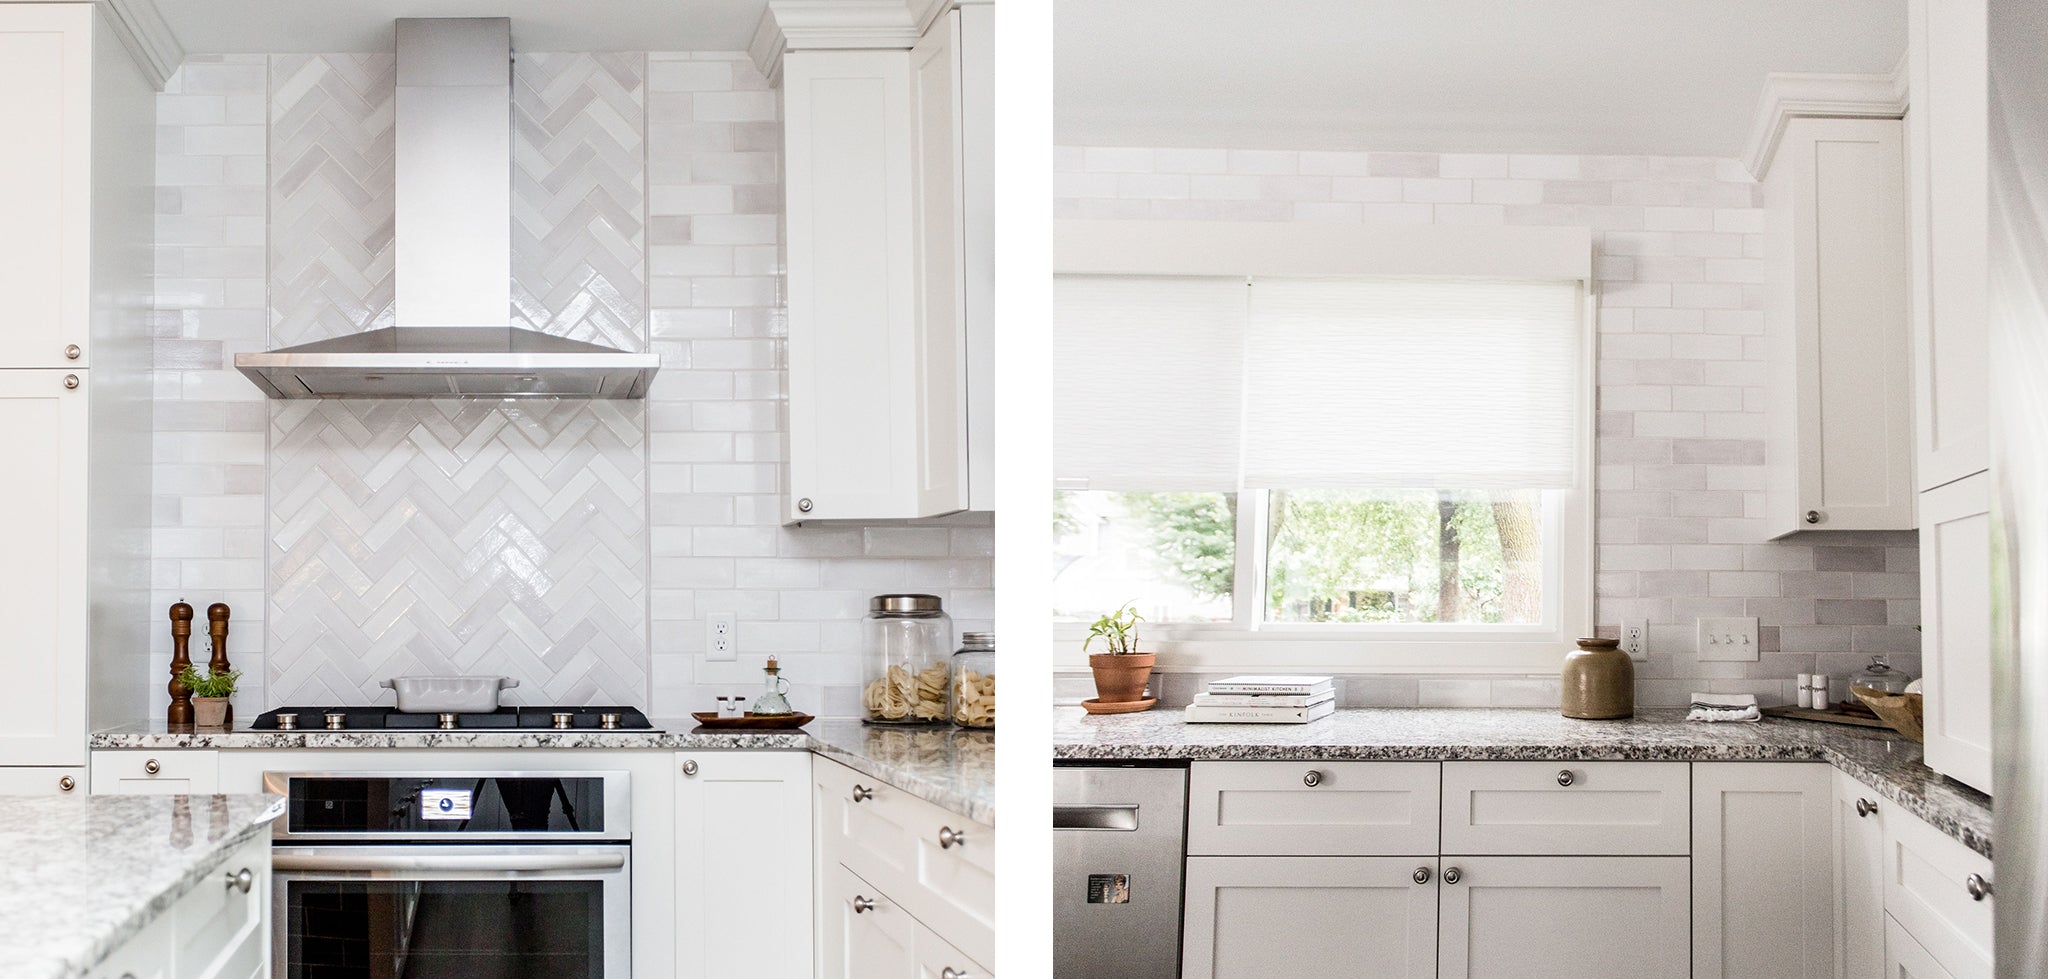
[448, 694]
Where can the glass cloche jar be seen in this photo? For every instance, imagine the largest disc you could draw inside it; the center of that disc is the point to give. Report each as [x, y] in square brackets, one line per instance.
[907, 641]
[972, 701]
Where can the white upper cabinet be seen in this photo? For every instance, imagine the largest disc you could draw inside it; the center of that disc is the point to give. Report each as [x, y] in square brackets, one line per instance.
[1841, 449]
[1948, 133]
[45, 176]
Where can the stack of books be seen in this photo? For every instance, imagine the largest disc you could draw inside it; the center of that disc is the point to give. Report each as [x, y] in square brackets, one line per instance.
[1265, 700]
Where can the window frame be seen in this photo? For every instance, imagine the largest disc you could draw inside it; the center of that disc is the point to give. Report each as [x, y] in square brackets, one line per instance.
[1277, 249]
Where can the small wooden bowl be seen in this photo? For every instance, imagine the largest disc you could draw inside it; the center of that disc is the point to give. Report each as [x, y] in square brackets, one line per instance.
[751, 722]
[1900, 710]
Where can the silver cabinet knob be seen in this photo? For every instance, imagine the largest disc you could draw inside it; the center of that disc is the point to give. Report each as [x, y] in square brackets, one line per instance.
[862, 905]
[1453, 875]
[1421, 875]
[862, 793]
[241, 880]
[1566, 778]
[690, 768]
[71, 352]
[70, 382]
[950, 838]
[151, 767]
[1813, 516]
[67, 783]
[1312, 779]
[804, 505]
[1864, 807]
[951, 973]
[1978, 887]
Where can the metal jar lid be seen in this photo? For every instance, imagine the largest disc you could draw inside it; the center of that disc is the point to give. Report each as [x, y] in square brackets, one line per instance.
[900, 604]
[978, 640]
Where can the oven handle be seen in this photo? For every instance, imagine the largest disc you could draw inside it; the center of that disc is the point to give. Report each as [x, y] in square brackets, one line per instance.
[457, 863]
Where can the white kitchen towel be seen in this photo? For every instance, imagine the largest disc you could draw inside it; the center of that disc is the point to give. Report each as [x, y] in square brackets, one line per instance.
[1723, 707]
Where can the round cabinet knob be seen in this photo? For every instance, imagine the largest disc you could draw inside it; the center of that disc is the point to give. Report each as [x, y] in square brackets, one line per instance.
[241, 880]
[950, 838]
[67, 783]
[70, 382]
[862, 793]
[1421, 875]
[1453, 875]
[71, 352]
[1864, 807]
[1566, 778]
[151, 767]
[690, 768]
[804, 505]
[1978, 887]
[1813, 516]
[1312, 779]
[951, 973]
[862, 905]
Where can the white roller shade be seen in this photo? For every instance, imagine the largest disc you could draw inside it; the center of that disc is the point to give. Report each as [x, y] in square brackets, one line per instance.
[1414, 383]
[1148, 382]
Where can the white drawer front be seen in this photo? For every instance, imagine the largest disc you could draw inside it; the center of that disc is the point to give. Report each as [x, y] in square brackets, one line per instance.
[155, 772]
[956, 892]
[1621, 808]
[1905, 958]
[1284, 808]
[1926, 889]
[936, 865]
[866, 825]
[42, 781]
[220, 928]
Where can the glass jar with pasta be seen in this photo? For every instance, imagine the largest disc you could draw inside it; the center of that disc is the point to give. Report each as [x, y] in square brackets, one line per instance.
[905, 673]
[972, 701]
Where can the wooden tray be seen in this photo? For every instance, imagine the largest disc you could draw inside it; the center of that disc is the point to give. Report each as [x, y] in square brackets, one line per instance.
[751, 722]
[1826, 716]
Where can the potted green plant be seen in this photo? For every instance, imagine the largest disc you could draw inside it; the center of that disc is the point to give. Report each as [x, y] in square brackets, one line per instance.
[1120, 673]
[210, 695]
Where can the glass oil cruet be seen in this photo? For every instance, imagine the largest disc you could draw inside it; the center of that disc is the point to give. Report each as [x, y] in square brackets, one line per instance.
[772, 700]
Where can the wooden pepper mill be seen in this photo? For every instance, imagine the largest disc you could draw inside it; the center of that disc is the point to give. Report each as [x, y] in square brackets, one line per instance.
[217, 630]
[181, 657]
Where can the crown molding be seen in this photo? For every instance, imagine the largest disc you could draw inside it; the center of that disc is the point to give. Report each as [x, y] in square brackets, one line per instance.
[147, 36]
[1788, 96]
[824, 25]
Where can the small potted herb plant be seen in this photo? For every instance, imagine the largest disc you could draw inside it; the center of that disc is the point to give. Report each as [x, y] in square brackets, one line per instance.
[1120, 673]
[210, 695]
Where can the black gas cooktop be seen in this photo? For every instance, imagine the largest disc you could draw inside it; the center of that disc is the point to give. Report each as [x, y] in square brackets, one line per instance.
[502, 719]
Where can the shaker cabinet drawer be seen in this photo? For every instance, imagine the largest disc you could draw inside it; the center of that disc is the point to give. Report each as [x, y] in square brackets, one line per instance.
[221, 928]
[1928, 888]
[1316, 808]
[155, 772]
[42, 781]
[1614, 808]
[937, 865]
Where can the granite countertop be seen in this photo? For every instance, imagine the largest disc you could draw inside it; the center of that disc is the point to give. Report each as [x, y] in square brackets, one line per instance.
[949, 767]
[91, 871]
[1879, 758]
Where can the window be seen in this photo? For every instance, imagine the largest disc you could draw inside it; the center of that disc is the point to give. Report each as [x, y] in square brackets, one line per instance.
[1363, 472]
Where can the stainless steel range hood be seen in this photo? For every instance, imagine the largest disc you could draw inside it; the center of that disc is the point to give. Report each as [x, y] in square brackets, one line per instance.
[453, 252]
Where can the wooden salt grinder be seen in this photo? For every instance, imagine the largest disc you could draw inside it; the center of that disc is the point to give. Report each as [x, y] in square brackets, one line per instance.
[217, 630]
[181, 657]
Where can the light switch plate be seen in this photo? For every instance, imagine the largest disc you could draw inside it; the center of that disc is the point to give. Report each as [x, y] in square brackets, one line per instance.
[1728, 640]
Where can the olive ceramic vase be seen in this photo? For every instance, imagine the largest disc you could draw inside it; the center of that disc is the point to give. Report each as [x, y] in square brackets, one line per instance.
[1599, 681]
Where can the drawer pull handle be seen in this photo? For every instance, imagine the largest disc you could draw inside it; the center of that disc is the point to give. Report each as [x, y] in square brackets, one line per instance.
[950, 838]
[1453, 875]
[1864, 807]
[862, 905]
[1565, 778]
[1110, 818]
[1312, 779]
[67, 783]
[862, 793]
[71, 382]
[951, 973]
[71, 352]
[1978, 887]
[241, 880]
[1421, 875]
[150, 767]
[690, 768]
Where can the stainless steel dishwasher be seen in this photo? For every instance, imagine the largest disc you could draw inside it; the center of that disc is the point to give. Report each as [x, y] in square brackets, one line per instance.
[1119, 833]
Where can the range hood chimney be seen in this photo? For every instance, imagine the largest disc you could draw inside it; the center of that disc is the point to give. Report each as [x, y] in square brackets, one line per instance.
[453, 306]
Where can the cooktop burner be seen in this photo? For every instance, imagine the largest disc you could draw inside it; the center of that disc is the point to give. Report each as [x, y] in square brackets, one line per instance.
[503, 719]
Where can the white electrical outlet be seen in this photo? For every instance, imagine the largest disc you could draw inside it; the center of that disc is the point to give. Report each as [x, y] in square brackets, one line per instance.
[1728, 640]
[721, 637]
[1635, 638]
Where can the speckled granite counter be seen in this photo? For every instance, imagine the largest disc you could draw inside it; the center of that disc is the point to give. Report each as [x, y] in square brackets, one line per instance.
[89, 872]
[1887, 763]
[946, 766]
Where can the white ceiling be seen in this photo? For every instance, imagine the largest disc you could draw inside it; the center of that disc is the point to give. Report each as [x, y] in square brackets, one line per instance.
[1669, 77]
[329, 26]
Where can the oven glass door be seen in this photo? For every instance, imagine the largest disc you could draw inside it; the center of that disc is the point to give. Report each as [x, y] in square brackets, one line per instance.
[451, 912]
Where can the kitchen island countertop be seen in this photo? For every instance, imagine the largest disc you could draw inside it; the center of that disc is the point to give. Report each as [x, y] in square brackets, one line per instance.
[1880, 758]
[91, 871]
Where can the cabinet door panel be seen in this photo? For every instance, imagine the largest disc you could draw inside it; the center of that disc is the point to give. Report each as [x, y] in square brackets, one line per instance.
[1955, 608]
[42, 580]
[1763, 870]
[1565, 918]
[743, 863]
[1859, 877]
[1358, 917]
[45, 110]
[941, 371]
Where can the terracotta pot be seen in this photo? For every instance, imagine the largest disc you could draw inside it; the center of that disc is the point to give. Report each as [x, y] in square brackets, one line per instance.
[209, 711]
[1121, 679]
[1598, 682]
